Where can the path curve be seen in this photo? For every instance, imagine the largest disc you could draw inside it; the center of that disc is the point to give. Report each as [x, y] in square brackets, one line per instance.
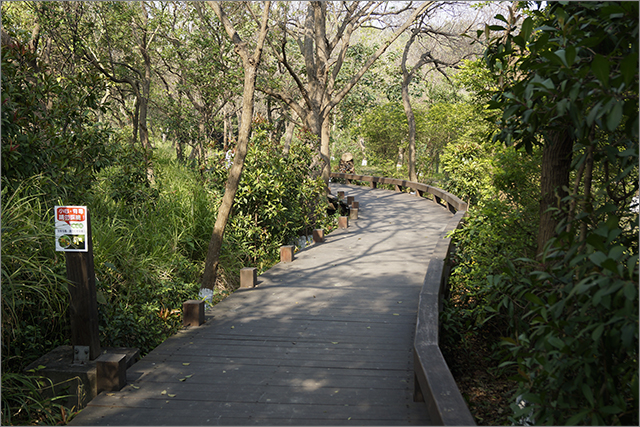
[324, 340]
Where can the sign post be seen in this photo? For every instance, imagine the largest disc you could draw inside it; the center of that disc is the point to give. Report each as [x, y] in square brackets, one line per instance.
[73, 236]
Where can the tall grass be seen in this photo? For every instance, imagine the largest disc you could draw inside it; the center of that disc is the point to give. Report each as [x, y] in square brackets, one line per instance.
[34, 286]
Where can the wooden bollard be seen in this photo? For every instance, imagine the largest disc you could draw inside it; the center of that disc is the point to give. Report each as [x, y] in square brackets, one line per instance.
[343, 222]
[353, 213]
[111, 372]
[286, 253]
[318, 235]
[193, 313]
[248, 277]
[340, 195]
[350, 200]
[355, 205]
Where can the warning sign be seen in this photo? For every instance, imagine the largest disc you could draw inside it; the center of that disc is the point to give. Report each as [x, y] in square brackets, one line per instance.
[71, 228]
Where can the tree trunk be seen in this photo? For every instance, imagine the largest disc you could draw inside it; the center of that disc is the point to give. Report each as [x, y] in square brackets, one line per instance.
[554, 180]
[250, 66]
[288, 137]
[325, 152]
[411, 120]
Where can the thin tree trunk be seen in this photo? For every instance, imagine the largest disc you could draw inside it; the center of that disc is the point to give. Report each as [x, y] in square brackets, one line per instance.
[288, 137]
[325, 152]
[250, 66]
[554, 180]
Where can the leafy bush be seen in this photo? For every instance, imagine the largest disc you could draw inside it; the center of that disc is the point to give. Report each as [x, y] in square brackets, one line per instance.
[277, 201]
[49, 125]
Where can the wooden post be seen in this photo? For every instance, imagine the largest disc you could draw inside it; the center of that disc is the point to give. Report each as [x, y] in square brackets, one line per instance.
[192, 313]
[286, 253]
[355, 205]
[248, 277]
[340, 195]
[350, 200]
[111, 372]
[318, 235]
[83, 304]
[353, 213]
[343, 222]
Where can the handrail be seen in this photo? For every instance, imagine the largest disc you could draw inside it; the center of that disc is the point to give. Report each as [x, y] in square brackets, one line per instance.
[434, 384]
[452, 202]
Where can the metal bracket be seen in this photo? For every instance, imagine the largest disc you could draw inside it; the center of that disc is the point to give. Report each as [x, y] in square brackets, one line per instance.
[80, 353]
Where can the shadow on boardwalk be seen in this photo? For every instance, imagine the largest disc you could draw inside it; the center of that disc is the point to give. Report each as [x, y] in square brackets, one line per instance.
[324, 340]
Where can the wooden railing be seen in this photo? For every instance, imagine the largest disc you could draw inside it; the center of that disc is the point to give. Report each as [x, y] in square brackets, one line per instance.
[440, 196]
[433, 383]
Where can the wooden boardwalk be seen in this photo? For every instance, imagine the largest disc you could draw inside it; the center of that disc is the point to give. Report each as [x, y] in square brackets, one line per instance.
[324, 340]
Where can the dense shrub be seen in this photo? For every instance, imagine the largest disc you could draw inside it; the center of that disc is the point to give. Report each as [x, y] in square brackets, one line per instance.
[277, 200]
[49, 125]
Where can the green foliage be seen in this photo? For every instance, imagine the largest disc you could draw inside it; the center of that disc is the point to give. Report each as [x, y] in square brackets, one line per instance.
[385, 130]
[277, 200]
[34, 286]
[577, 352]
[571, 67]
[569, 320]
[49, 126]
[23, 403]
[148, 249]
[499, 229]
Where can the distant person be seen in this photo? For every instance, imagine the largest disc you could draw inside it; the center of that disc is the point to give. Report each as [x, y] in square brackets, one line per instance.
[229, 157]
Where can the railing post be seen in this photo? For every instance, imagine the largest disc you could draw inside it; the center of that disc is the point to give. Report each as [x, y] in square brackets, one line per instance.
[193, 313]
[286, 253]
[318, 235]
[248, 277]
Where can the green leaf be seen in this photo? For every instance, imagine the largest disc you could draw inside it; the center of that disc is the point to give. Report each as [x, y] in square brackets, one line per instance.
[615, 116]
[100, 297]
[561, 53]
[600, 68]
[556, 342]
[576, 419]
[533, 298]
[525, 30]
[630, 291]
[597, 333]
[629, 68]
[586, 390]
[610, 410]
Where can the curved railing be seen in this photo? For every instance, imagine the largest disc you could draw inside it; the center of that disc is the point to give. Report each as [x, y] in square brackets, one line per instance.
[434, 383]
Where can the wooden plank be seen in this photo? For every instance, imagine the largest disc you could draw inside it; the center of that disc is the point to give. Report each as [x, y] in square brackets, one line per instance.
[340, 317]
[174, 412]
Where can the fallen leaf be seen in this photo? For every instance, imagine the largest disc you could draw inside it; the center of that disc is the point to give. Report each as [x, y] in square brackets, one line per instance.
[163, 392]
[188, 376]
[396, 314]
[171, 395]
[110, 394]
[186, 364]
[135, 386]
[183, 379]
[232, 327]
[334, 342]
